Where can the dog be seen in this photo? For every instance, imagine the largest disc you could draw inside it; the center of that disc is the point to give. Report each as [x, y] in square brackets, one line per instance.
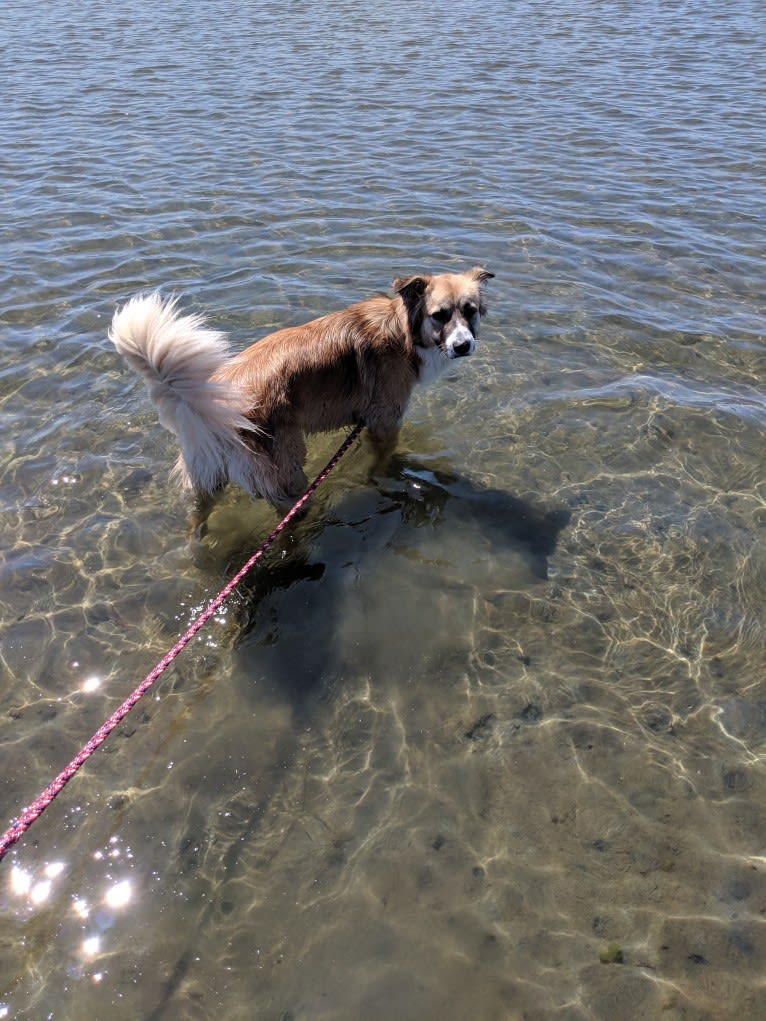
[244, 418]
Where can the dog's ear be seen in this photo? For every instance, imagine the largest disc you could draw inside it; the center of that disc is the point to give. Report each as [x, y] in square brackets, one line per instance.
[410, 288]
[480, 275]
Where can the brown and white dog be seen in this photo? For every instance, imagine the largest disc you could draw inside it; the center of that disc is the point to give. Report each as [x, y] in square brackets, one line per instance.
[243, 418]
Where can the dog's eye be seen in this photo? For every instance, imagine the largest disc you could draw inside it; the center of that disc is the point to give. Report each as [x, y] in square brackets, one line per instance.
[469, 310]
[442, 315]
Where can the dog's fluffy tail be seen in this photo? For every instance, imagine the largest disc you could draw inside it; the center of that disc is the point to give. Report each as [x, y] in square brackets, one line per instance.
[177, 356]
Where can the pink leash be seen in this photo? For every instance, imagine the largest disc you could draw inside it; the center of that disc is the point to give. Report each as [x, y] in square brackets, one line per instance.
[32, 812]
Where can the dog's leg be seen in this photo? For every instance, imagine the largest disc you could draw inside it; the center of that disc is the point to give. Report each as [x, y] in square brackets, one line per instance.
[203, 506]
[383, 443]
[289, 455]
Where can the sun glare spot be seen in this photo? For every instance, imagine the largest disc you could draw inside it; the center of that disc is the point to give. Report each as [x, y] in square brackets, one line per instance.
[41, 891]
[21, 881]
[91, 946]
[119, 894]
[80, 908]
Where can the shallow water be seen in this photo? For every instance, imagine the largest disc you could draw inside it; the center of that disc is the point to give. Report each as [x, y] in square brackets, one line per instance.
[476, 725]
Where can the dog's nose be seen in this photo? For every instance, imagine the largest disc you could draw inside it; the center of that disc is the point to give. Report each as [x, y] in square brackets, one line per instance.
[463, 347]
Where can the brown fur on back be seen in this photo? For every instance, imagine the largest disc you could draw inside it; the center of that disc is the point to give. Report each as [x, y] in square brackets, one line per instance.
[358, 364]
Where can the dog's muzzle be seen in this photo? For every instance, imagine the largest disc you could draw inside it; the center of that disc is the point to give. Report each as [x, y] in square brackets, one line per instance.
[460, 342]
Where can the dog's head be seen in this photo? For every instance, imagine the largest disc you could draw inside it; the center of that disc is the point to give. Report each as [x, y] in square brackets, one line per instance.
[444, 310]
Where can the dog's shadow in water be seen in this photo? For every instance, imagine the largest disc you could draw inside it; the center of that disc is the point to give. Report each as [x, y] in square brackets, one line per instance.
[423, 496]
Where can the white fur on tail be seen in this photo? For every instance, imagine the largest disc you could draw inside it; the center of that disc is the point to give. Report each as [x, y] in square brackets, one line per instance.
[177, 355]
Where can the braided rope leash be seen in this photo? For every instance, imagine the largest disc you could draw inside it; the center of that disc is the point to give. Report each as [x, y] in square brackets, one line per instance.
[32, 812]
